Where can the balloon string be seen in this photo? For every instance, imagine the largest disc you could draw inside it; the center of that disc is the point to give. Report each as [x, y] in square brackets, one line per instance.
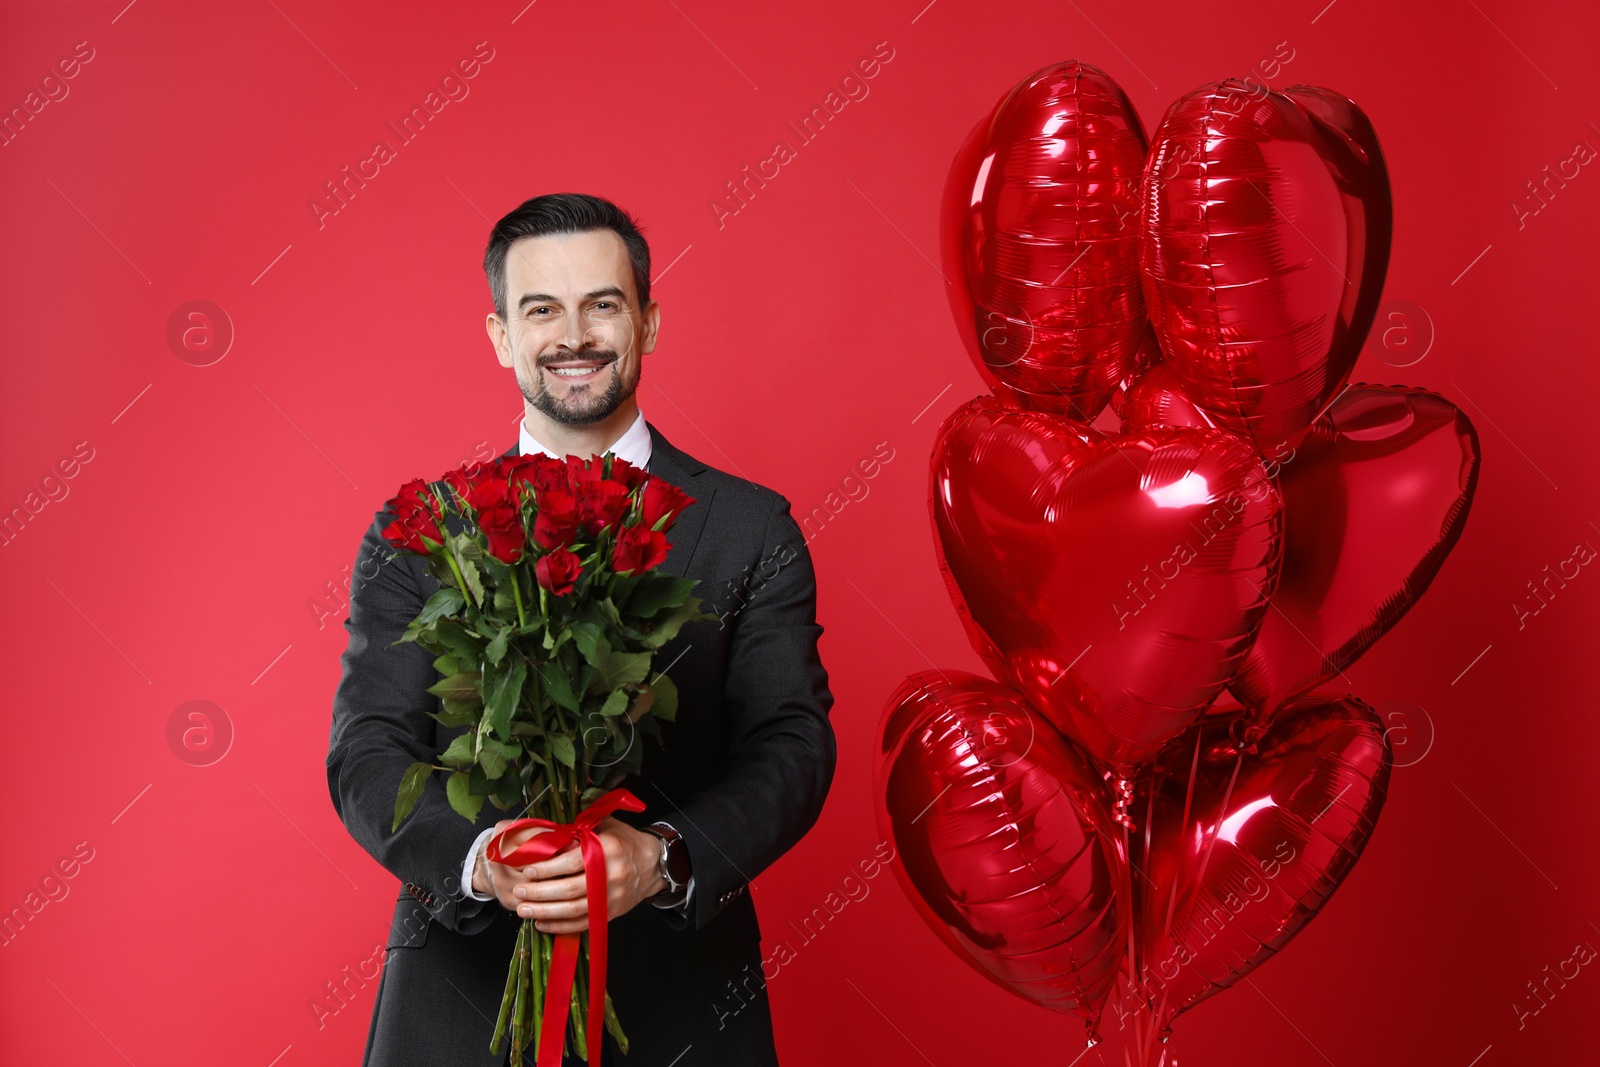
[1211, 838]
[1188, 807]
[1156, 1023]
[1127, 882]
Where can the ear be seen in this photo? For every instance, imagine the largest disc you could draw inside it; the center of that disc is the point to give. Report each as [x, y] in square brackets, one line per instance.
[651, 325]
[499, 338]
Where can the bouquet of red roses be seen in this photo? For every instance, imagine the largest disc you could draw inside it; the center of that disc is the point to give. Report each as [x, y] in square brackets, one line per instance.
[549, 613]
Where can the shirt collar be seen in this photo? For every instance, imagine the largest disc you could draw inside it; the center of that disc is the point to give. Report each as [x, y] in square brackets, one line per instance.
[633, 445]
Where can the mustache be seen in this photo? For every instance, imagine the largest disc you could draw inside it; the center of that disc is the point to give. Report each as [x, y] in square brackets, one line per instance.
[610, 356]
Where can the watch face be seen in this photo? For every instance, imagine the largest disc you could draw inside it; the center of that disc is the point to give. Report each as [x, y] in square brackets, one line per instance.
[678, 862]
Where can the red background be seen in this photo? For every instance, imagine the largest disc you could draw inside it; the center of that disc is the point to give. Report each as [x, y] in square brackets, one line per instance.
[186, 560]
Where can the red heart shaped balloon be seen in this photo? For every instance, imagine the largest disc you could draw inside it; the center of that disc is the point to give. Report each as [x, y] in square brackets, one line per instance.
[1156, 398]
[1375, 496]
[1239, 851]
[1117, 583]
[1266, 224]
[1002, 839]
[1040, 240]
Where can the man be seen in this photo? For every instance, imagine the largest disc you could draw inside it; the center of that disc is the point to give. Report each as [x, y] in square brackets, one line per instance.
[736, 780]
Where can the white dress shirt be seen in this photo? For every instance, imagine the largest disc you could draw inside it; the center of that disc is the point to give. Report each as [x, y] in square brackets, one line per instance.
[633, 446]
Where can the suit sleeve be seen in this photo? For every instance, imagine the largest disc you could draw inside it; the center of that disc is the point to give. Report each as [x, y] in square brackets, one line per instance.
[782, 749]
[381, 726]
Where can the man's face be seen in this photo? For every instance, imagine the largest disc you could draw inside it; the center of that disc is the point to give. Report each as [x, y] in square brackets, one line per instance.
[574, 334]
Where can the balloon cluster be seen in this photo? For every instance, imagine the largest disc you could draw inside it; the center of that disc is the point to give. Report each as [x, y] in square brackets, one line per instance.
[1098, 819]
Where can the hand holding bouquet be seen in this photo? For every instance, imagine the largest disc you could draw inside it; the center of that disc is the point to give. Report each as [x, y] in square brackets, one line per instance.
[549, 614]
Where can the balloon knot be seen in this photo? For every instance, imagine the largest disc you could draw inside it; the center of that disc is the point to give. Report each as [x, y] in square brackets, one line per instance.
[1123, 790]
[1245, 732]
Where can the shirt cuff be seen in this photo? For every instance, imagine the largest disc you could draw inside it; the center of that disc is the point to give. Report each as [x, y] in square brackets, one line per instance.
[472, 862]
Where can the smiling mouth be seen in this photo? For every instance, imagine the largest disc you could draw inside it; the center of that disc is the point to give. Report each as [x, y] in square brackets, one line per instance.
[577, 372]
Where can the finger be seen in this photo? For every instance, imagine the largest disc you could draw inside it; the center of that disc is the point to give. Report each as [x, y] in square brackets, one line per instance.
[567, 862]
[524, 834]
[554, 909]
[571, 887]
[570, 926]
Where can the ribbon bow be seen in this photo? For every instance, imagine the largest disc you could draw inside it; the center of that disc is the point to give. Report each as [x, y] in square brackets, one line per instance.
[564, 952]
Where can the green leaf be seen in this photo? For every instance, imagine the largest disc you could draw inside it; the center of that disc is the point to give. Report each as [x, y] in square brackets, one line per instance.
[561, 745]
[591, 641]
[558, 685]
[503, 698]
[469, 571]
[495, 650]
[447, 665]
[623, 586]
[657, 591]
[616, 703]
[457, 687]
[460, 751]
[665, 704]
[495, 756]
[503, 600]
[458, 712]
[669, 623]
[456, 788]
[447, 601]
[462, 644]
[624, 668]
[467, 546]
[411, 786]
[642, 701]
[510, 792]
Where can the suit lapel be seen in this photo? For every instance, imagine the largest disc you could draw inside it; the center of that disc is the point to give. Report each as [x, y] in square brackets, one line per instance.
[679, 468]
[682, 470]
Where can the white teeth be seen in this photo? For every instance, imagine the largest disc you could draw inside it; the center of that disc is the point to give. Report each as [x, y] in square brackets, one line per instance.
[573, 372]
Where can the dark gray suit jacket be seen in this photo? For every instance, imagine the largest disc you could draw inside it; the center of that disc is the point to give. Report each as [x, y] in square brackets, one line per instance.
[742, 774]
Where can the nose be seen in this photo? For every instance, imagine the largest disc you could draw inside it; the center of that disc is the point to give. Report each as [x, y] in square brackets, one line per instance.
[576, 335]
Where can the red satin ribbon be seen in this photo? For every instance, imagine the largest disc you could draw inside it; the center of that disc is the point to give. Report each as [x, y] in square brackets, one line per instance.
[564, 954]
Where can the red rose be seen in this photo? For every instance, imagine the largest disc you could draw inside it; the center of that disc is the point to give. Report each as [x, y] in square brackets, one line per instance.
[518, 472]
[413, 524]
[502, 527]
[545, 472]
[415, 491]
[557, 523]
[580, 471]
[484, 487]
[416, 516]
[630, 476]
[602, 503]
[558, 571]
[662, 498]
[638, 549]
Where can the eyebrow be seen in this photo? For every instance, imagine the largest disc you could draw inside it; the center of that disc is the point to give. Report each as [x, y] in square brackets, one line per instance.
[533, 298]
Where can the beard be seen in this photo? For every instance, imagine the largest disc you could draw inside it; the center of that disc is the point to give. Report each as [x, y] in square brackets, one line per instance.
[583, 405]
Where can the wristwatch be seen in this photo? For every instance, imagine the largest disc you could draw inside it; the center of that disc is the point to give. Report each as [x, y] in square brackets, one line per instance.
[674, 862]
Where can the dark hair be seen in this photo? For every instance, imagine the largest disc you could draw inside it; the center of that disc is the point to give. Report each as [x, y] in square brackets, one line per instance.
[564, 213]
